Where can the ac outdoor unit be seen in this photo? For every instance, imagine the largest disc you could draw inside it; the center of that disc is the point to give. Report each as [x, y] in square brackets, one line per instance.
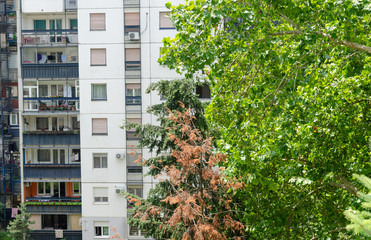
[120, 155]
[133, 35]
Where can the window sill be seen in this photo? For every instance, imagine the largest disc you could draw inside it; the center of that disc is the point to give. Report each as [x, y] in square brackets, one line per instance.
[97, 30]
[99, 134]
[101, 203]
[98, 65]
[98, 100]
[167, 28]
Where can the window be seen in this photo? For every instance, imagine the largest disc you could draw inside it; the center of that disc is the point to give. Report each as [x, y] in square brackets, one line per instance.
[136, 190]
[133, 94]
[99, 160]
[132, 59]
[98, 57]
[135, 231]
[44, 155]
[203, 91]
[98, 92]
[39, 24]
[13, 91]
[77, 188]
[100, 194]
[44, 188]
[54, 221]
[42, 123]
[132, 19]
[101, 229]
[97, 21]
[99, 126]
[55, 24]
[73, 24]
[165, 22]
[14, 119]
[43, 90]
[75, 123]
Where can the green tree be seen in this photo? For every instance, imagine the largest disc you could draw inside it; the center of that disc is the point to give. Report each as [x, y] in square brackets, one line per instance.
[18, 228]
[291, 86]
[361, 220]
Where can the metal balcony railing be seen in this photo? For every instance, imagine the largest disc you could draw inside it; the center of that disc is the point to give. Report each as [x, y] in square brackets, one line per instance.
[51, 138]
[135, 177]
[131, 3]
[133, 100]
[51, 105]
[61, 172]
[71, 4]
[50, 70]
[132, 65]
[49, 37]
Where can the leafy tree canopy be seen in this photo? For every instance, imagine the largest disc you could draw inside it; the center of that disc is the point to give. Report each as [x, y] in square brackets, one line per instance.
[291, 99]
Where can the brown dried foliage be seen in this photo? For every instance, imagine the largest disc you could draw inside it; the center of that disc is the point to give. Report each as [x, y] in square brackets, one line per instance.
[196, 199]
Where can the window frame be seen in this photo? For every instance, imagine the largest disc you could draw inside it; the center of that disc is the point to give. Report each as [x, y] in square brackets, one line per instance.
[102, 227]
[51, 187]
[92, 92]
[79, 189]
[100, 199]
[102, 133]
[101, 157]
[159, 25]
[13, 116]
[91, 57]
[97, 29]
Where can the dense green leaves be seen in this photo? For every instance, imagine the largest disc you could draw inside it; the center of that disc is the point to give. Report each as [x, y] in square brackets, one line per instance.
[291, 99]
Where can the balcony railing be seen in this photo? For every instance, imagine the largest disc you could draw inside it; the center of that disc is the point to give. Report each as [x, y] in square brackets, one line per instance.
[50, 70]
[132, 65]
[49, 37]
[51, 138]
[131, 3]
[133, 157]
[133, 100]
[50, 234]
[51, 105]
[61, 172]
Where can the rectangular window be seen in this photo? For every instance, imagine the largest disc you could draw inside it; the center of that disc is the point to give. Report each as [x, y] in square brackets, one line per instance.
[98, 92]
[43, 90]
[98, 57]
[42, 123]
[136, 190]
[203, 91]
[44, 155]
[14, 119]
[165, 22]
[101, 229]
[75, 123]
[133, 94]
[132, 19]
[55, 24]
[99, 126]
[100, 194]
[100, 160]
[97, 21]
[54, 221]
[77, 188]
[135, 231]
[13, 91]
[44, 188]
[73, 24]
[39, 24]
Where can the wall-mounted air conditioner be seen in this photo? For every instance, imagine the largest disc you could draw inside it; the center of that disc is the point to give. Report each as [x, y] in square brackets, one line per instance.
[133, 35]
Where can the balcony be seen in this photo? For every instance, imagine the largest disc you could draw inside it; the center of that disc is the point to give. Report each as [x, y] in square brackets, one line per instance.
[51, 105]
[54, 205]
[135, 177]
[51, 138]
[70, 5]
[132, 3]
[50, 234]
[49, 37]
[71, 171]
[50, 70]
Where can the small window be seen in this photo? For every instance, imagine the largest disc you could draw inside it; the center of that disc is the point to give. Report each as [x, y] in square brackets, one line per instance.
[100, 194]
[132, 19]
[100, 160]
[98, 57]
[75, 123]
[133, 94]
[132, 58]
[44, 188]
[44, 155]
[39, 24]
[165, 22]
[101, 229]
[73, 24]
[13, 91]
[98, 92]
[135, 231]
[99, 126]
[203, 91]
[97, 21]
[42, 123]
[77, 188]
[14, 119]
[136, 190]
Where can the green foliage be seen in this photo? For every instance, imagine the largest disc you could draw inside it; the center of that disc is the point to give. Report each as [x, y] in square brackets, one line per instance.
[19, 228]
[156, 139]
[291, 86]
[4, 235]
[361, 220]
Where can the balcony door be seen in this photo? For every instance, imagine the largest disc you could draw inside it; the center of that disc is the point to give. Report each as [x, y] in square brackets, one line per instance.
[30, 92]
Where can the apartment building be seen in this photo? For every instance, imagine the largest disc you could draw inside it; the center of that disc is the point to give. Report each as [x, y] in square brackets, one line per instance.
[84, 67]
[10, 186]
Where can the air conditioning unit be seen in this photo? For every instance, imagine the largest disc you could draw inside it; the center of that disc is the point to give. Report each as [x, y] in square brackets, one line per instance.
[119, 189]
[133, 35]
[120, 155]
